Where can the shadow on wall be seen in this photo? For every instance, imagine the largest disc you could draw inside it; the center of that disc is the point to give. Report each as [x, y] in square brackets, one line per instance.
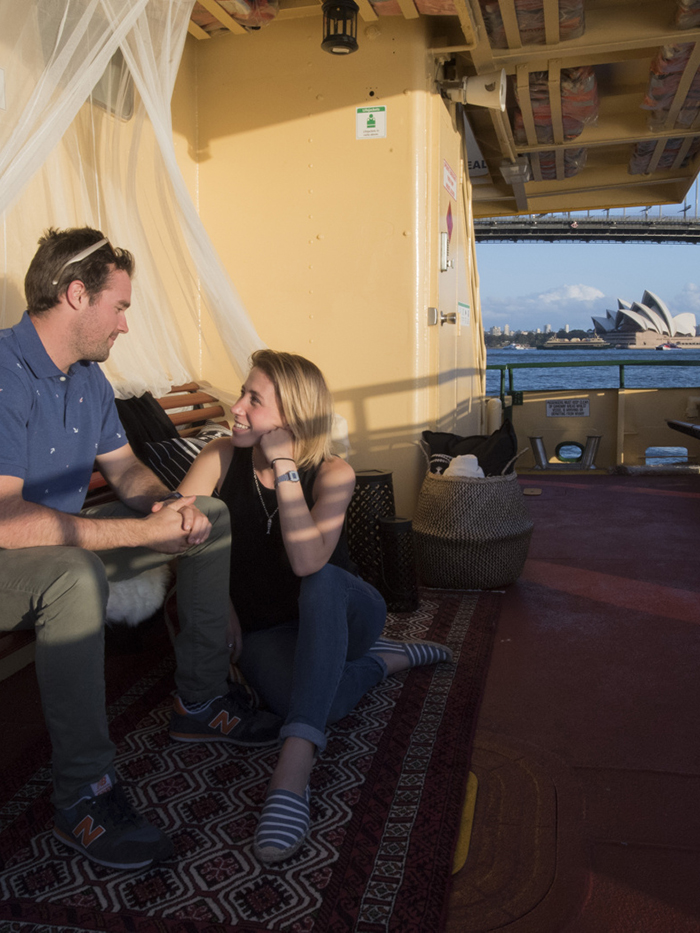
[355, 404]
[360, 400]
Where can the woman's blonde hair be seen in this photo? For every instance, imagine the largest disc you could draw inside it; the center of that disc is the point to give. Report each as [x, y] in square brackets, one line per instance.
[303, 399]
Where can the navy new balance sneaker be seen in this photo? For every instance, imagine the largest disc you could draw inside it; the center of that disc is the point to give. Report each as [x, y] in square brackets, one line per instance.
[224, 719]
[104, 826]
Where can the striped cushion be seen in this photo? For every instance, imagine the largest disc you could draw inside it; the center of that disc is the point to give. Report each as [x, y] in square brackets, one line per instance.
[171, 459]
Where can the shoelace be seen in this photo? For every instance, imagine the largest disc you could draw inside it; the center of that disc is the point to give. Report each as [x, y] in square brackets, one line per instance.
[114, 808]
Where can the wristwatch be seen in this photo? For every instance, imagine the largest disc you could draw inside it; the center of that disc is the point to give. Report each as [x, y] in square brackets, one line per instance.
[171, 495]
[292, 476]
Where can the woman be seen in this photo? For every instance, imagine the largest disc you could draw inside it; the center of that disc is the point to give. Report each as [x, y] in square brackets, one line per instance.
[304, 630]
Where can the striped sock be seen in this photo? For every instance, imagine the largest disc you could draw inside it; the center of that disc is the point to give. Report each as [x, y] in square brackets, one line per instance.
[417, 652]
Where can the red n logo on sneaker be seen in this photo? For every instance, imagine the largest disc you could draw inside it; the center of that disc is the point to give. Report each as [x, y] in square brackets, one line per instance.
[224, 722]
[87, 831]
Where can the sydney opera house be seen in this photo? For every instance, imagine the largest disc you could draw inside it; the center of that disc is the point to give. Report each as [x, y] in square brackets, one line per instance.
[646, 324]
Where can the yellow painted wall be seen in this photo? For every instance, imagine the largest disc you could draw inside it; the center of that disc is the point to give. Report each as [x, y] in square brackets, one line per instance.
[330, 240]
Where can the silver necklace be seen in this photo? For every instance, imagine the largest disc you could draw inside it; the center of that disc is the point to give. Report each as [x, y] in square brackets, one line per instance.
[262, 501]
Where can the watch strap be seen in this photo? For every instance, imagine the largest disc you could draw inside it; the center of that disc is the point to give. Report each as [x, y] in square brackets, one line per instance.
[171, 495]
[292, 476]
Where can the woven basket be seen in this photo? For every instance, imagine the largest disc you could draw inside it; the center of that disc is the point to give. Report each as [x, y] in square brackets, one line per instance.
[471, 533]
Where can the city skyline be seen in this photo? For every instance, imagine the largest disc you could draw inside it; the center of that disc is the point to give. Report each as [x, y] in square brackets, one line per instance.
[506, 330]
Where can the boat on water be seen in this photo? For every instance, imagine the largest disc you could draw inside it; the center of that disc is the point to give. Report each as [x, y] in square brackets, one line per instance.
[575, 343]
[669, 346]
[513, 346]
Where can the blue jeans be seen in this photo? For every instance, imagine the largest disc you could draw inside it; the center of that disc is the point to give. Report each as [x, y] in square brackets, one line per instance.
[314, 670]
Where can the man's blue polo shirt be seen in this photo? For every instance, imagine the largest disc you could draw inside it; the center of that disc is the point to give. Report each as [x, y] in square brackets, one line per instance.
[52, 424]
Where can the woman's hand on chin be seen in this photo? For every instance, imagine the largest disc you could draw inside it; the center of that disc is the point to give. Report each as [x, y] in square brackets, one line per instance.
[277, 443]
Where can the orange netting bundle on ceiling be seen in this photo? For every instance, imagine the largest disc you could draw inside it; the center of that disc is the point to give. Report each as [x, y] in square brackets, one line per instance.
[666, 70]
[574, 161]
[579, 104]
[644, 151]
[687, 14]
[530, 15]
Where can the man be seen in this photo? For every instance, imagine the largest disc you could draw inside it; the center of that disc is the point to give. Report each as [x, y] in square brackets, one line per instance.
[57, 417]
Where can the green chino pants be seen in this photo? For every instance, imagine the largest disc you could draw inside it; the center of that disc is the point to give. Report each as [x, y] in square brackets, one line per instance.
[62, 593]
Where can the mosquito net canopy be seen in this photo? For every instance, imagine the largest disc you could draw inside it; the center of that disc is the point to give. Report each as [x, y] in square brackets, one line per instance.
[86, 139]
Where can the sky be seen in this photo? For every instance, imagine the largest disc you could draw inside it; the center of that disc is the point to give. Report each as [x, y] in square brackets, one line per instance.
[530, 285]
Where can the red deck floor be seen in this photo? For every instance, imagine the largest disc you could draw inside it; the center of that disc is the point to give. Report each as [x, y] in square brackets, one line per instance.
[587, 750]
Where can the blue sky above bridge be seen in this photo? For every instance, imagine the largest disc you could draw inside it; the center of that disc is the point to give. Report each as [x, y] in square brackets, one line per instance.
[529, 285]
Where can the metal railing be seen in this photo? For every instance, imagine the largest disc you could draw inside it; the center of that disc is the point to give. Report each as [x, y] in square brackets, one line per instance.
[581, 364]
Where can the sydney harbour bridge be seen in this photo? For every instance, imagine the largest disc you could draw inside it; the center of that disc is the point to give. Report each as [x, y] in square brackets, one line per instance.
[644, 225]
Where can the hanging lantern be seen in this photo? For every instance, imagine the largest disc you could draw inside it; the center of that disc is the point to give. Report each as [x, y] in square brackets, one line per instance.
[340, 26]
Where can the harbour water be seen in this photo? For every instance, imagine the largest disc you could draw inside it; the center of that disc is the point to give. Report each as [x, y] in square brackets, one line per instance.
[596, 377]
[657, 376]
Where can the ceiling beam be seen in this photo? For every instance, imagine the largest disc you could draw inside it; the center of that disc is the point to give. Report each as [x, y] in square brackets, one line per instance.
[197, 31]
[501, 125]
[536, 167]
[551, 21]
[554, 80]
[656, 157]
[559, 164]
[211, 6]
[366, 11]
[682, 153]
[525, 104]
[298, 9]
[591, 138]
[408, 8]
[466, 21]
[683, 87]
[510, 24]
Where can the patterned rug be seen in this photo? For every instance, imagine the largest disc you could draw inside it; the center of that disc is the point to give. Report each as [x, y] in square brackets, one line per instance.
[386, 805]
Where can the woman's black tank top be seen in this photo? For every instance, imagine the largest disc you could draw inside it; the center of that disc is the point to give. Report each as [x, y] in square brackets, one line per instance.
[264, 588]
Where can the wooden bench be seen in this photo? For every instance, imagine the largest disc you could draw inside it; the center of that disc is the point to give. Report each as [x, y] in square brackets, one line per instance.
[189, 406]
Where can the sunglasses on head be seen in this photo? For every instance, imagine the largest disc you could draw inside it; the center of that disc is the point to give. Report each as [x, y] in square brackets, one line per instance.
[83, 254]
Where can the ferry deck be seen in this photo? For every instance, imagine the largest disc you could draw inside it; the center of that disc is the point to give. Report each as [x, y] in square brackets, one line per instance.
[586, 749]
[586, 817]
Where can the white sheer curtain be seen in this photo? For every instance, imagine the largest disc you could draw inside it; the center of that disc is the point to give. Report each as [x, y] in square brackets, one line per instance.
[86, 138]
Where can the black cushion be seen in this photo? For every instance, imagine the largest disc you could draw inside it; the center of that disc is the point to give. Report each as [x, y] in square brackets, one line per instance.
[494, 452]
[144, 420]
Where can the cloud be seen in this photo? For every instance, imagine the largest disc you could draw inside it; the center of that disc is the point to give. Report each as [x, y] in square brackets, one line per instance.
[687, 300]
[570, 304]
[571, 293]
